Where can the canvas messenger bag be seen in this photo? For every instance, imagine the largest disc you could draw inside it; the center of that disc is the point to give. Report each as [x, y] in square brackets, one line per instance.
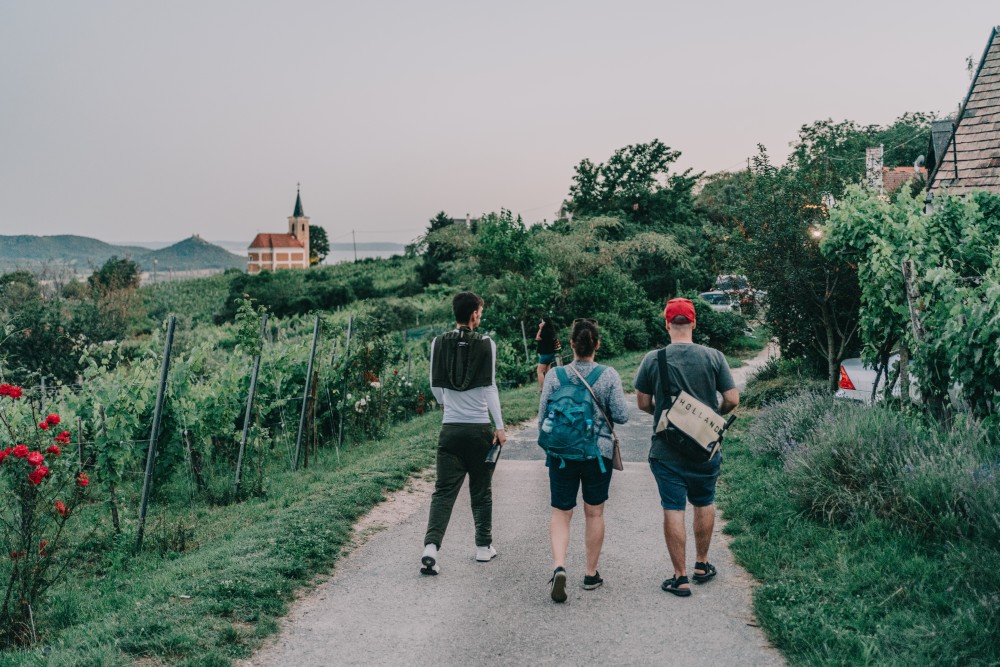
[688, 425]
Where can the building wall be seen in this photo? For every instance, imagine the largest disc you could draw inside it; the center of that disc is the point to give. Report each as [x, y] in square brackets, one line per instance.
[276, 258]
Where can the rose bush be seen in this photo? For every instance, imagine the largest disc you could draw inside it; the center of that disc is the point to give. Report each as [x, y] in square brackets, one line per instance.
[42, 490]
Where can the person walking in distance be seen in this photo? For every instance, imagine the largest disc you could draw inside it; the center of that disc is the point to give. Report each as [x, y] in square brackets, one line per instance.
[567, 476]
[463, 380]
[702, 372]
[548, 347]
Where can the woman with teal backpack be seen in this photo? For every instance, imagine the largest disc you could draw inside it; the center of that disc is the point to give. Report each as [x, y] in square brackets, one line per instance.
[579, 448]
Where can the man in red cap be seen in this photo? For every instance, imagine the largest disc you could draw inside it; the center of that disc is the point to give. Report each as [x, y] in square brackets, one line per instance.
[702, 372]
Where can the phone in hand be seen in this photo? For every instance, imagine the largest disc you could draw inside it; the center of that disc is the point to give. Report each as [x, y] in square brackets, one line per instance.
[494, 454]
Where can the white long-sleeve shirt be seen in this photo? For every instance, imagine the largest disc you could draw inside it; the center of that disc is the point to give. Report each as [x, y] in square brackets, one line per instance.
[472, 406]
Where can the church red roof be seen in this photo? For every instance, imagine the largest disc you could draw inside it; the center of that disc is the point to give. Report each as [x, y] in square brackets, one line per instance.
[276, 241]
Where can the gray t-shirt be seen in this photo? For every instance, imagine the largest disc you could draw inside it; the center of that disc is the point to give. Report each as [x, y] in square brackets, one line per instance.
[700, 371]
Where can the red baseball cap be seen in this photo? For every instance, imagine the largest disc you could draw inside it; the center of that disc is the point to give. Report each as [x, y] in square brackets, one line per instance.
[679, 311]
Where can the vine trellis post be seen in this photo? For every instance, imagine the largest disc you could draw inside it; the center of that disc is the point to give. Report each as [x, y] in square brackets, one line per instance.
[343, 384]
[305, 396]
[250, 396]
[147, 480]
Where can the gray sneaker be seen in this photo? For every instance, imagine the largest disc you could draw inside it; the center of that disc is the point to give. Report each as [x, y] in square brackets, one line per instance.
[485, 554]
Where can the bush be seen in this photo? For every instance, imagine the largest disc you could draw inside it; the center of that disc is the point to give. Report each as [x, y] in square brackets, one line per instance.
[778, 380]
[785, 427]
[882, 464]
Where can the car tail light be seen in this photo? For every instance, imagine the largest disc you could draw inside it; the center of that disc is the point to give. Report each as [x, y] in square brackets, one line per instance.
[845, 381]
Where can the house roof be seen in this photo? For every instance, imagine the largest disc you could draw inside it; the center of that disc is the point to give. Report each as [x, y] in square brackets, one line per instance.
[971, 158]
[276, 241]
[894, 178]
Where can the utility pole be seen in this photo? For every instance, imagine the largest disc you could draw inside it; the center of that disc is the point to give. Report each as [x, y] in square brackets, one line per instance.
[355, 243]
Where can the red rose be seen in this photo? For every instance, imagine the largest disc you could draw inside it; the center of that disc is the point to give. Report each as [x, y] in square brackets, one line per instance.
[43, 425]
[13, 555]
[42, 544]
[21, 451]
[53, 450]
[61, 509]
[4, 453]
[82, 479]
[10, 390]
[52, 419]
[36, 458]
[395, 372]
[420, 411]
[38, 474]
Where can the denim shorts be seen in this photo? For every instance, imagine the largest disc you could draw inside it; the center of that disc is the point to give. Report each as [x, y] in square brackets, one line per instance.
[546, 359]
[565, 483]
[680, 481]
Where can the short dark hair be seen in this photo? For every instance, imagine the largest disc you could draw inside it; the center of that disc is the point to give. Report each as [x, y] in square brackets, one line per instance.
[585, 336]
[464, 305]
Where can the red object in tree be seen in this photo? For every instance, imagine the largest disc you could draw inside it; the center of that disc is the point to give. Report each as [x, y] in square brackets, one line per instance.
[52, 419]
[43, 425]
[55, 451]
[36, 458]
[82, 479]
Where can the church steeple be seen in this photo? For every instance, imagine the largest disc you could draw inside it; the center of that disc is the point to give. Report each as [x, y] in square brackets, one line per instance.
[298, 203]
[298, 224]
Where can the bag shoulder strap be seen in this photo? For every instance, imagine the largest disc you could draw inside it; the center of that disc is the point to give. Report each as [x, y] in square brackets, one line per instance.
[561, 375]
[661, 360]
[597, 403]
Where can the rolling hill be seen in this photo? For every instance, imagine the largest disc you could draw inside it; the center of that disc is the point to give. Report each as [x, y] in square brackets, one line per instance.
[82, 255]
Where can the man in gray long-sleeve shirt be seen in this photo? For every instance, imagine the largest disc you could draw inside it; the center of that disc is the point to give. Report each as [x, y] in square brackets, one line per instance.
[463, 380]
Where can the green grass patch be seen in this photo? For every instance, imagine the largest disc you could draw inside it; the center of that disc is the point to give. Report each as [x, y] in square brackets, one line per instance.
[216, 600]
[845, 576]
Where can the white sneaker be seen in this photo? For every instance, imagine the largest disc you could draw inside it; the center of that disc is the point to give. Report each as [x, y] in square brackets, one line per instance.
[429, 560]
[485, 554]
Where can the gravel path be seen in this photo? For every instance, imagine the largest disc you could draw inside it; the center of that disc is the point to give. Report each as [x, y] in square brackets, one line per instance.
[376, 609]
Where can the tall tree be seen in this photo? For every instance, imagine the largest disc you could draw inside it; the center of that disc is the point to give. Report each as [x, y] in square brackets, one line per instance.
[812, 300]
[319, 244]
[635, 183]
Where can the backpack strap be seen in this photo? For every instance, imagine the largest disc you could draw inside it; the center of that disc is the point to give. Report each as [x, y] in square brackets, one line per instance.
[561, 375]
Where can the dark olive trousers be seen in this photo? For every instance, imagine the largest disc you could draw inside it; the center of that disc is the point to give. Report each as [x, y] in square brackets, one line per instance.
[462, 450]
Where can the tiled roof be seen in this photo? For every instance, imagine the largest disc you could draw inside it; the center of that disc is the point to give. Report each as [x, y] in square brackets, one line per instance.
[894, 178]
[276, 241]
[976, 139]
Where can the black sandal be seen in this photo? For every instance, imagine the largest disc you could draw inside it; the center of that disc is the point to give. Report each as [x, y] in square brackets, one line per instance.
[673, 584]
[707, 569]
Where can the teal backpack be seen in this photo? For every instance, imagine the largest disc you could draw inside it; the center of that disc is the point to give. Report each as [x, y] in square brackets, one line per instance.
[570, 429]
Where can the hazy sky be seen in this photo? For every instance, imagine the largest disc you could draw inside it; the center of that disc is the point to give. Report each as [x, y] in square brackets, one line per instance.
[142, 121]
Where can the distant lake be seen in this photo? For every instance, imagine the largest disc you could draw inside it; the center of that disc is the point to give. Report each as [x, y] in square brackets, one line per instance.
[337, 256]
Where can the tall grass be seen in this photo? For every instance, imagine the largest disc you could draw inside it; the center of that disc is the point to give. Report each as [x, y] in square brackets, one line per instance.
[875, 533]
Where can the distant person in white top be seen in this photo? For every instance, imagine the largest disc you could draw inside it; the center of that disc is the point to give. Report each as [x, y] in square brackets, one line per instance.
[463, 379]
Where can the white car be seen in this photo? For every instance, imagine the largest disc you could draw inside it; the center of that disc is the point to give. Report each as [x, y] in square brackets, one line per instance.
[857, 380]
[720, 301]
